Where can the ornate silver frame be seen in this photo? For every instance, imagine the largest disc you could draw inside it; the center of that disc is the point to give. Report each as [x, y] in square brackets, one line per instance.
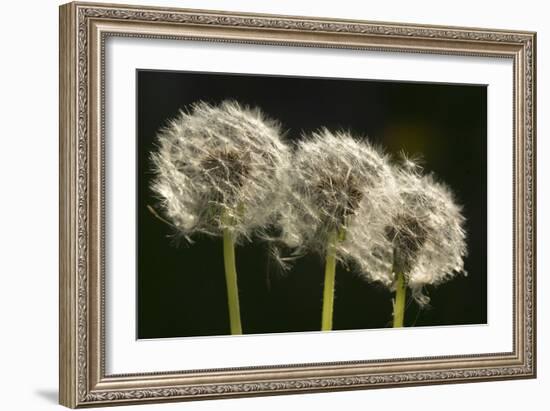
[83, 30]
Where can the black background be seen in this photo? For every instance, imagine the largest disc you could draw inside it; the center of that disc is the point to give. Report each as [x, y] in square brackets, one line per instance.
[181, 287]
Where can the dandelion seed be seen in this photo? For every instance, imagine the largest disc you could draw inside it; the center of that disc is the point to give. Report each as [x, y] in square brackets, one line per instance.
[217, 170]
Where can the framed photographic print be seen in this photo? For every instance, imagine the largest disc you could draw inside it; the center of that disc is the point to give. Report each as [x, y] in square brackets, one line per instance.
[259, 204]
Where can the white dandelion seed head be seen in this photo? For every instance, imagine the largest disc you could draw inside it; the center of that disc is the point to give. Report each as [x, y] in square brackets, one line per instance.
[217, 167]
[426, 234]
[336, 184]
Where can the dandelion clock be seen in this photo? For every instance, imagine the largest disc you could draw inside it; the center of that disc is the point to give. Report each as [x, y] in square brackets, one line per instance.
[216, 170]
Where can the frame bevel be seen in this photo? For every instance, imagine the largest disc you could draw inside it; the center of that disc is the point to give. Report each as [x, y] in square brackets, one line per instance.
[83, 30]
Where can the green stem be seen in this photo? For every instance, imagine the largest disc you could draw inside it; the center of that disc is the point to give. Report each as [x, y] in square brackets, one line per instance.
[231, 282]
[330, 274]
[399, 304]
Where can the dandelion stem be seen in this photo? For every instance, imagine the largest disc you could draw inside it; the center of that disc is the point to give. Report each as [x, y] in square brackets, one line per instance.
[330, 274]
[231, 281]
[399, 304]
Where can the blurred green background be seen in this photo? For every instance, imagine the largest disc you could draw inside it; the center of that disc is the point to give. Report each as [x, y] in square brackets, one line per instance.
[181, 287]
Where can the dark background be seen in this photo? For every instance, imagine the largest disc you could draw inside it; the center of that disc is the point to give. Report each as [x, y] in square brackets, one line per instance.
[181, 287]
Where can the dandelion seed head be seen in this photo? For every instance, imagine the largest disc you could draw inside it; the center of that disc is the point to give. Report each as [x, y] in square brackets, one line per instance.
[426, 234]
[337, 184]
[219, 167]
